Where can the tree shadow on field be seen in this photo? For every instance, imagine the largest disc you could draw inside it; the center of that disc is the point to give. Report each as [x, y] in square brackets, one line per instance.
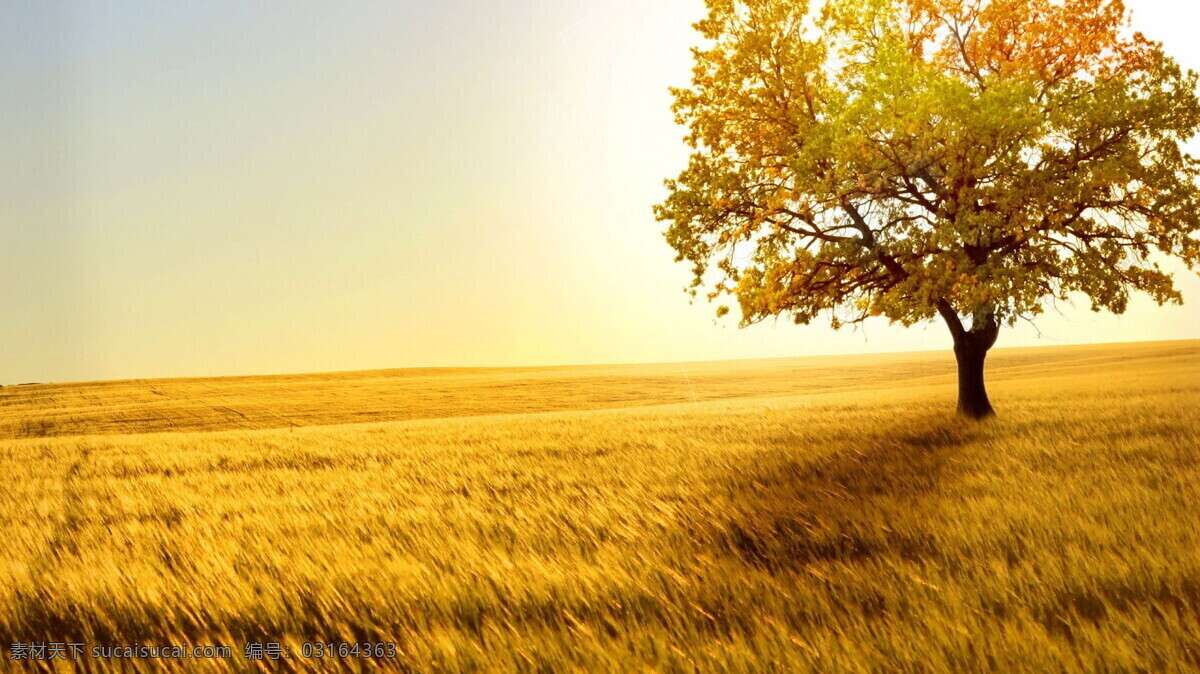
[871, 496]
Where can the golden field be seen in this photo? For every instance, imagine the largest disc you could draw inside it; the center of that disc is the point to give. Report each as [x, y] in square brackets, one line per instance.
[824, 514]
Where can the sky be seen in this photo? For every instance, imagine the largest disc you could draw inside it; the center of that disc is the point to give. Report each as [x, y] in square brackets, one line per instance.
[240, 187]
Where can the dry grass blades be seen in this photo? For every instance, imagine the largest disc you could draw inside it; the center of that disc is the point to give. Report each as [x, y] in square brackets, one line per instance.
[804, 515]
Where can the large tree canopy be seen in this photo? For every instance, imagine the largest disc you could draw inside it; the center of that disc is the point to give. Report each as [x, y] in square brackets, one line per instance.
[909, 158]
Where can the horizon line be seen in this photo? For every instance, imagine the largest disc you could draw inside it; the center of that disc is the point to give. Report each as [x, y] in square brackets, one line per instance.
[313, 373]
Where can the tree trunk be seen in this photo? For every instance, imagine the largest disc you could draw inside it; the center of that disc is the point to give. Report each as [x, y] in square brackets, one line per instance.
[970, 350]
[972, 395]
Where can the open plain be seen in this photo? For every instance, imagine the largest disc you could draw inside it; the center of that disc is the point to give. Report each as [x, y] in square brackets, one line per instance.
[826, 514]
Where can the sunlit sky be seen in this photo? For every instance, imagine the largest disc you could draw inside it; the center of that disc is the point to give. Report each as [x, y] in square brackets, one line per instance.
[233, 187]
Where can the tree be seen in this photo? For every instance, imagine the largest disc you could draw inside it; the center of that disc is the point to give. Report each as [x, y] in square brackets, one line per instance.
[968, 159]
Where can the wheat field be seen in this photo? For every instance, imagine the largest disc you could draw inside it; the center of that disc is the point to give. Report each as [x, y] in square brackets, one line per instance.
[823, 514]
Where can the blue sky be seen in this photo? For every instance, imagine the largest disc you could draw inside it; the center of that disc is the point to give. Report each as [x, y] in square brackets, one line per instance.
[212, 188]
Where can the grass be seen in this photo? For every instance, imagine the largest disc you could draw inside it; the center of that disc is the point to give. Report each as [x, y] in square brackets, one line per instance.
[808, 514]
